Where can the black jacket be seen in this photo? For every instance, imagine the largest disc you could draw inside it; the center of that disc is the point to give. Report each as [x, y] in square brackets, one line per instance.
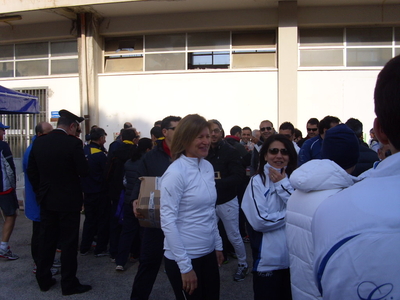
[115, 169]
[55, 163]
[365, 160]
[227, 164]
[153, 163]
[97, 158]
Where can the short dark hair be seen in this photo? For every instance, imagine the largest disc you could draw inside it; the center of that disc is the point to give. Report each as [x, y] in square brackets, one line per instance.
[156, 131]
[387, 100]
[129, 134]
[356, 126]
[246, 128]
[96, 133]
[144, 144]
[236, 129]
[313, 121]
[298, 133]
[326, 122]
[127, 125]
[66, 121]
[288, 145]
[166, 122]
[39, 128]
[286, 126]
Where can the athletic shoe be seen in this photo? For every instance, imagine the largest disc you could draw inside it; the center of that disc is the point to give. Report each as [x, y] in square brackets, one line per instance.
[84, 253]
[8, 254]
[54, 271]
[101, 254]
[112, 259]
[241, 273]
[56, 263]
[119, 268]
[246, 239]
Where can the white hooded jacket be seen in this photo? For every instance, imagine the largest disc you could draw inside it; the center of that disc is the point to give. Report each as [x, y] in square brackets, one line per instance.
[314, 181]
[265, 208]
[357, 238]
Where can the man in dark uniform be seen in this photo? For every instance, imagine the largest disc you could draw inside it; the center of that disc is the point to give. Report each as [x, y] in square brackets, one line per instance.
[56, 163]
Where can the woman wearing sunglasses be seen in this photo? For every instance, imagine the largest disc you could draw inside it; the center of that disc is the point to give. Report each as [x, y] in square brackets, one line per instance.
[264, 204]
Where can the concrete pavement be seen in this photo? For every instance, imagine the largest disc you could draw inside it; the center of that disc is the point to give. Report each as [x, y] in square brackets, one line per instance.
[17, 282]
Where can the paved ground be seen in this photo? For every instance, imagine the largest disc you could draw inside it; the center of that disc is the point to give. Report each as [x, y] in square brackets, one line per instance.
[18, 282]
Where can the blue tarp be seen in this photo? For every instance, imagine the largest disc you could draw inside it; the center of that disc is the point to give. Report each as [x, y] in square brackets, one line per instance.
[12, 102]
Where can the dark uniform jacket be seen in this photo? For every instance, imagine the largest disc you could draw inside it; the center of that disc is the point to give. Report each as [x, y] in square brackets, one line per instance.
[228, 165]
[97, 158]
[55, 163]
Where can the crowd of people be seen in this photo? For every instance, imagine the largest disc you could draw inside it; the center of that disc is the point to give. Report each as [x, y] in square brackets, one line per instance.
[321, 212]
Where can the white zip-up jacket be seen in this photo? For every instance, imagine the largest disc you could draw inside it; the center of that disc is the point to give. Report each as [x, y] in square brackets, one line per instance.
[265, 210]
[357, 238]
[314, 181]
[187, 209]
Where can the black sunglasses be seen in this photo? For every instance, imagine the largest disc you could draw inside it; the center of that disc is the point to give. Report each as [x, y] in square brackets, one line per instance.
[312, 129]
[172, 128]
[275, 151]
[265, 128]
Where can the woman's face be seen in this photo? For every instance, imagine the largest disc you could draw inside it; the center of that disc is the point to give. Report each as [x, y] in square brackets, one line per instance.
[199, 147]
[275, 157]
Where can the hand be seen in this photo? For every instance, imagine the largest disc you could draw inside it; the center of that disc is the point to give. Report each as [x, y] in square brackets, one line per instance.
[275, 175]
[220, 257]
[254, 140]
[189, 282]
[137, 214]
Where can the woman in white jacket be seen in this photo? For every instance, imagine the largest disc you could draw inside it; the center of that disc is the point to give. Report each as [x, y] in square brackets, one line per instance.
[193, 247]
[264, 204]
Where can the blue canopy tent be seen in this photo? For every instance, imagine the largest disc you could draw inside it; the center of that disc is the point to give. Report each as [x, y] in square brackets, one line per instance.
[12, 102]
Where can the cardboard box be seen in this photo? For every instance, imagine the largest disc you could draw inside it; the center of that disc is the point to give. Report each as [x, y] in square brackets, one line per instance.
[149, 202]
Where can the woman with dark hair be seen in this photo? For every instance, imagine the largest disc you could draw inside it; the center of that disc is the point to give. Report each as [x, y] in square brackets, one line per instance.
[264, 204]
[193, 247]
[129, 241]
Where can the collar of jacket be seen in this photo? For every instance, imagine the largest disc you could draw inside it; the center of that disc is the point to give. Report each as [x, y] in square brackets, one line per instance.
[128, 142]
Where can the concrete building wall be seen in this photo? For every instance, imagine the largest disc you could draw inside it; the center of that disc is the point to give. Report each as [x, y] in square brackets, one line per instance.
[234, 98]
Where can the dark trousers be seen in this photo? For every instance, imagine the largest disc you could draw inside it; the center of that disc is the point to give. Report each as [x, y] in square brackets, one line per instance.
[97, 220]
[151, 255]
[129, 235]
[274, 285]
[55, 226]
[115, 224]
[35, 240]
[207, 272]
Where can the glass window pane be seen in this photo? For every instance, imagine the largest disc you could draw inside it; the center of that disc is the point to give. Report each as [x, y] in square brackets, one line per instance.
[397, 35]
[253, 40]
[32, 68]
[124, 64]
[397, 51]
[64, 66]
[209, 60]
[6, 69]
[165, 61]
[32, 50]
[6, 52]
[121, 45]
[321, 37]
[208, 40]
[369, 36]
[253, 60]
[64, 48]
[170, 42]
[321, 58]
[368, 57]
